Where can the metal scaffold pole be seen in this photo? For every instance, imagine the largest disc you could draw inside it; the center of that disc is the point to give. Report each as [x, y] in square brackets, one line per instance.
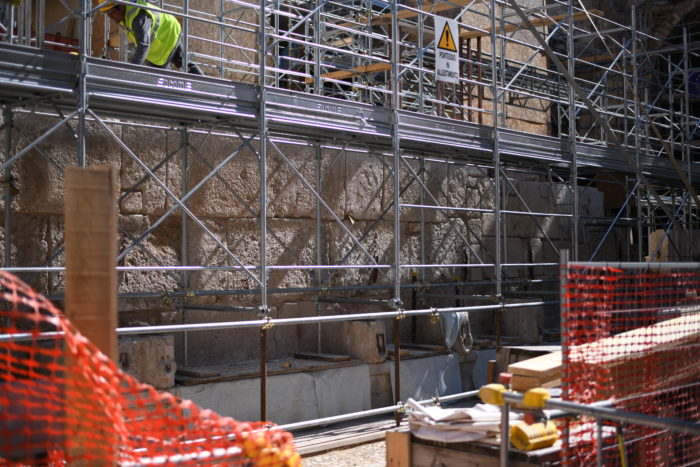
[262, 154]
[495, 97]
[185, 231]
[8, 117]
[320, 277]
[396, 149]
[82, 92]
[685, 152]
[636, 126]
[571, 52]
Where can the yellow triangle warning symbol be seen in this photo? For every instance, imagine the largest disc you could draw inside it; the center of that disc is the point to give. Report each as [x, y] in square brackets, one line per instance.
[446, 41]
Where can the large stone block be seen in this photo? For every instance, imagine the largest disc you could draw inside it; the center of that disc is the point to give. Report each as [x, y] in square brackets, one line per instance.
[380, 386]
[234, 190]
[32, 240]
[150, 359]
[333, 190]
[526, 323]
[516, 250]
[591, 202]
[221, 346]
[162, 246]
[285, 340]
[428, 330]
[446, 243]
[149, 147]
[131, 203]
[37, 176]
[204, 249]
[342, 249]
[364, 186]
[541, 251]
[240, 55]
[292, 169]
[363, 340]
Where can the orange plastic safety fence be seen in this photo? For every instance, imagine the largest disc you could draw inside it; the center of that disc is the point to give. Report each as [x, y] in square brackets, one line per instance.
[632, 336]
[61, 400]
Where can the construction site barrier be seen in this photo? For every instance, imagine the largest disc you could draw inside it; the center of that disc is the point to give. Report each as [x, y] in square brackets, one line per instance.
[631, 335]
[63, 401]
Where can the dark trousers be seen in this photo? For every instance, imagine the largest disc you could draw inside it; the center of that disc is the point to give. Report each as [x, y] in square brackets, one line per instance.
[176, 59]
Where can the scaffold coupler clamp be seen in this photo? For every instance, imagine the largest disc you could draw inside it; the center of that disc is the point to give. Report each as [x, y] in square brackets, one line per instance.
[264, 313]
[403, 408]
[434, 315]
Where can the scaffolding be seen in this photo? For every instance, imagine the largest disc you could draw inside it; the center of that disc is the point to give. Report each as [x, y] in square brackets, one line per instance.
[292, 86]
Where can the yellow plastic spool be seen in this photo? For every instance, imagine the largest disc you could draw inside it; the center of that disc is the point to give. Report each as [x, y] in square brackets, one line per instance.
[492, 394]
[536, 436]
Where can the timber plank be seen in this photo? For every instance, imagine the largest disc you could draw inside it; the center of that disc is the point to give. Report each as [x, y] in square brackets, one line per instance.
[640, 341]
[615, 350]
[546, 366]
[360, 70]
[537, 22]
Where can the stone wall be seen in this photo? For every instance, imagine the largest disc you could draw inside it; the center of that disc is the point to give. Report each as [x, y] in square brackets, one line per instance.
[355, 185]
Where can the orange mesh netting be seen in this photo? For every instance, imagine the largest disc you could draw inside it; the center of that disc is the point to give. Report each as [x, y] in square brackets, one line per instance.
[633, 336]
[62, 400]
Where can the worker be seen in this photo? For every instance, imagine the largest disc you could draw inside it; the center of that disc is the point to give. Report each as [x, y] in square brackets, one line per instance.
[155, 33]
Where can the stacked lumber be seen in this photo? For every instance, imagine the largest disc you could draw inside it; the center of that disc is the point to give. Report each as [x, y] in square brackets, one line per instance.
[622, 358]
[645, 359]
[539, 372]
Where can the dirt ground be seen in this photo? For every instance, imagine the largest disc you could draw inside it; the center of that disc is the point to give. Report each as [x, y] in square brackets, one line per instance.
[365, 455]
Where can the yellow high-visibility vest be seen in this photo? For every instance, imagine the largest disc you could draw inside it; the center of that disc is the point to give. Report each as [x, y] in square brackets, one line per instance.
[165, 32]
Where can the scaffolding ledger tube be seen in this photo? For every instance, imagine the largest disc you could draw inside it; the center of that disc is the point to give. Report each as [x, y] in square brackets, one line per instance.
[164, 329]
[372, 412]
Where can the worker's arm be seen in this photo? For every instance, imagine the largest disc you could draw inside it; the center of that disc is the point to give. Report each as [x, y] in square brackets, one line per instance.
[142, 35]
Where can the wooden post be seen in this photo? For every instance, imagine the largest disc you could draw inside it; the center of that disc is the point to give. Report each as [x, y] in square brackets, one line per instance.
[491, 372]
[398, 449]
[91, 254]
[90, 299]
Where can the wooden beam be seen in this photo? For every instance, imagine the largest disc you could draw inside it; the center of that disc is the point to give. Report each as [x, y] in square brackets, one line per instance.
[621, 352]
[360, 70]
[90, 302]
[545, 366]
[537, 22]
[639, 342]
[91, 254]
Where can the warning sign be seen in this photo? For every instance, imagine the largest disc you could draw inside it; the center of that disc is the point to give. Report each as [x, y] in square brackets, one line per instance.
[447, 42]
[446, 53]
